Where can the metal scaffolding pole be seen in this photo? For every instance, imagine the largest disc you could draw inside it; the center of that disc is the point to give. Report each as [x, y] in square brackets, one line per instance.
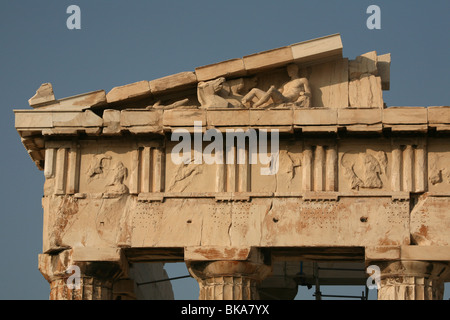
[317, 294]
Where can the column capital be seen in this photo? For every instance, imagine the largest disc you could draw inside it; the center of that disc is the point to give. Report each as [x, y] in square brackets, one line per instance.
[228, 280]
[235, 277]
[411, 267]
[206, 269]
[411, 280]
[92, 279]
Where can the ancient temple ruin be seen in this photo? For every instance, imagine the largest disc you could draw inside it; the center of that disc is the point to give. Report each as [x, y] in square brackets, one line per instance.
[320, 180]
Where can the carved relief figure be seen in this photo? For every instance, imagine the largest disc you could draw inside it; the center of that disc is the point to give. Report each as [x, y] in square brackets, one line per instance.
[96, 167]
[183, 176]
[296, 91]
[177, 104]
[112, 173]
[372, 172]
[290, 162]
[118, 174]
[208, 94]
[435, 172]
[437, 175]
[364, 170]
[232, 90]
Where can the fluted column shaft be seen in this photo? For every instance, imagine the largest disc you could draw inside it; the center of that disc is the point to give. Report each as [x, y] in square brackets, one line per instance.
[91, 288]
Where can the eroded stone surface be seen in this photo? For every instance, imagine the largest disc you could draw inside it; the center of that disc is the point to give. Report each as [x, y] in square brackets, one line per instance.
[43, 95]
[129, 91]
[355, 181]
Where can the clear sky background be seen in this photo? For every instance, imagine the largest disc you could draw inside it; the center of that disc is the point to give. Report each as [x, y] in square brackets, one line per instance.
[122, 42]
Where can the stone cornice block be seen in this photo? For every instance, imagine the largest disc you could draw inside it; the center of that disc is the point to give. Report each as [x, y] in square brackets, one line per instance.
[183, 118]
[29, 119]
[417, 128]
[355, 116]
[405, 115]
[268, 59]
[229, 68]
[146, 129]
[130, 118]
[230, 117]
[78, 103]
[438, 115]
[111, 121]
[129, 91]
[318, 129]
[173, 82]
[315, 117]
[365, 128]
[77, 119]
[317, 49]
[71, 131]
[271, 117]
[426, 253]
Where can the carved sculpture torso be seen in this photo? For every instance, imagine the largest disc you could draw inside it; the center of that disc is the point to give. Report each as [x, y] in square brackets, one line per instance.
[296, 91]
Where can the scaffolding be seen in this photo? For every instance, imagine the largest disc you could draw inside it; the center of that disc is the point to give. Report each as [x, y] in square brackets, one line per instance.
[318, 294]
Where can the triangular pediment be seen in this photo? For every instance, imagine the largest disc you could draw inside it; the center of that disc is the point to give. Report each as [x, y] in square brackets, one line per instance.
[182, 89]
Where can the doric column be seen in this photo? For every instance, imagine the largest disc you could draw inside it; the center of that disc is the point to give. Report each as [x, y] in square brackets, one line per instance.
[79, 280]
[228, 280]
[411, 280]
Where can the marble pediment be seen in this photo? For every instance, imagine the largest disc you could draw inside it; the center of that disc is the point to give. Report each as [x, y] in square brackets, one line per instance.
[309, 74]
[305, 87]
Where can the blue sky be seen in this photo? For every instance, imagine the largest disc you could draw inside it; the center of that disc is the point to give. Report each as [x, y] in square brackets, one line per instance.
[121, 42]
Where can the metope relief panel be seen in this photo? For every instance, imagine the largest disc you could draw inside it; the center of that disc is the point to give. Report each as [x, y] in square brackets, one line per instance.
[105, 174]
[105, 168]
[438, 170]
[186, 170]
[226, 164]
[288, 177]
[364, 169]
[438, 166]
[288, 171]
